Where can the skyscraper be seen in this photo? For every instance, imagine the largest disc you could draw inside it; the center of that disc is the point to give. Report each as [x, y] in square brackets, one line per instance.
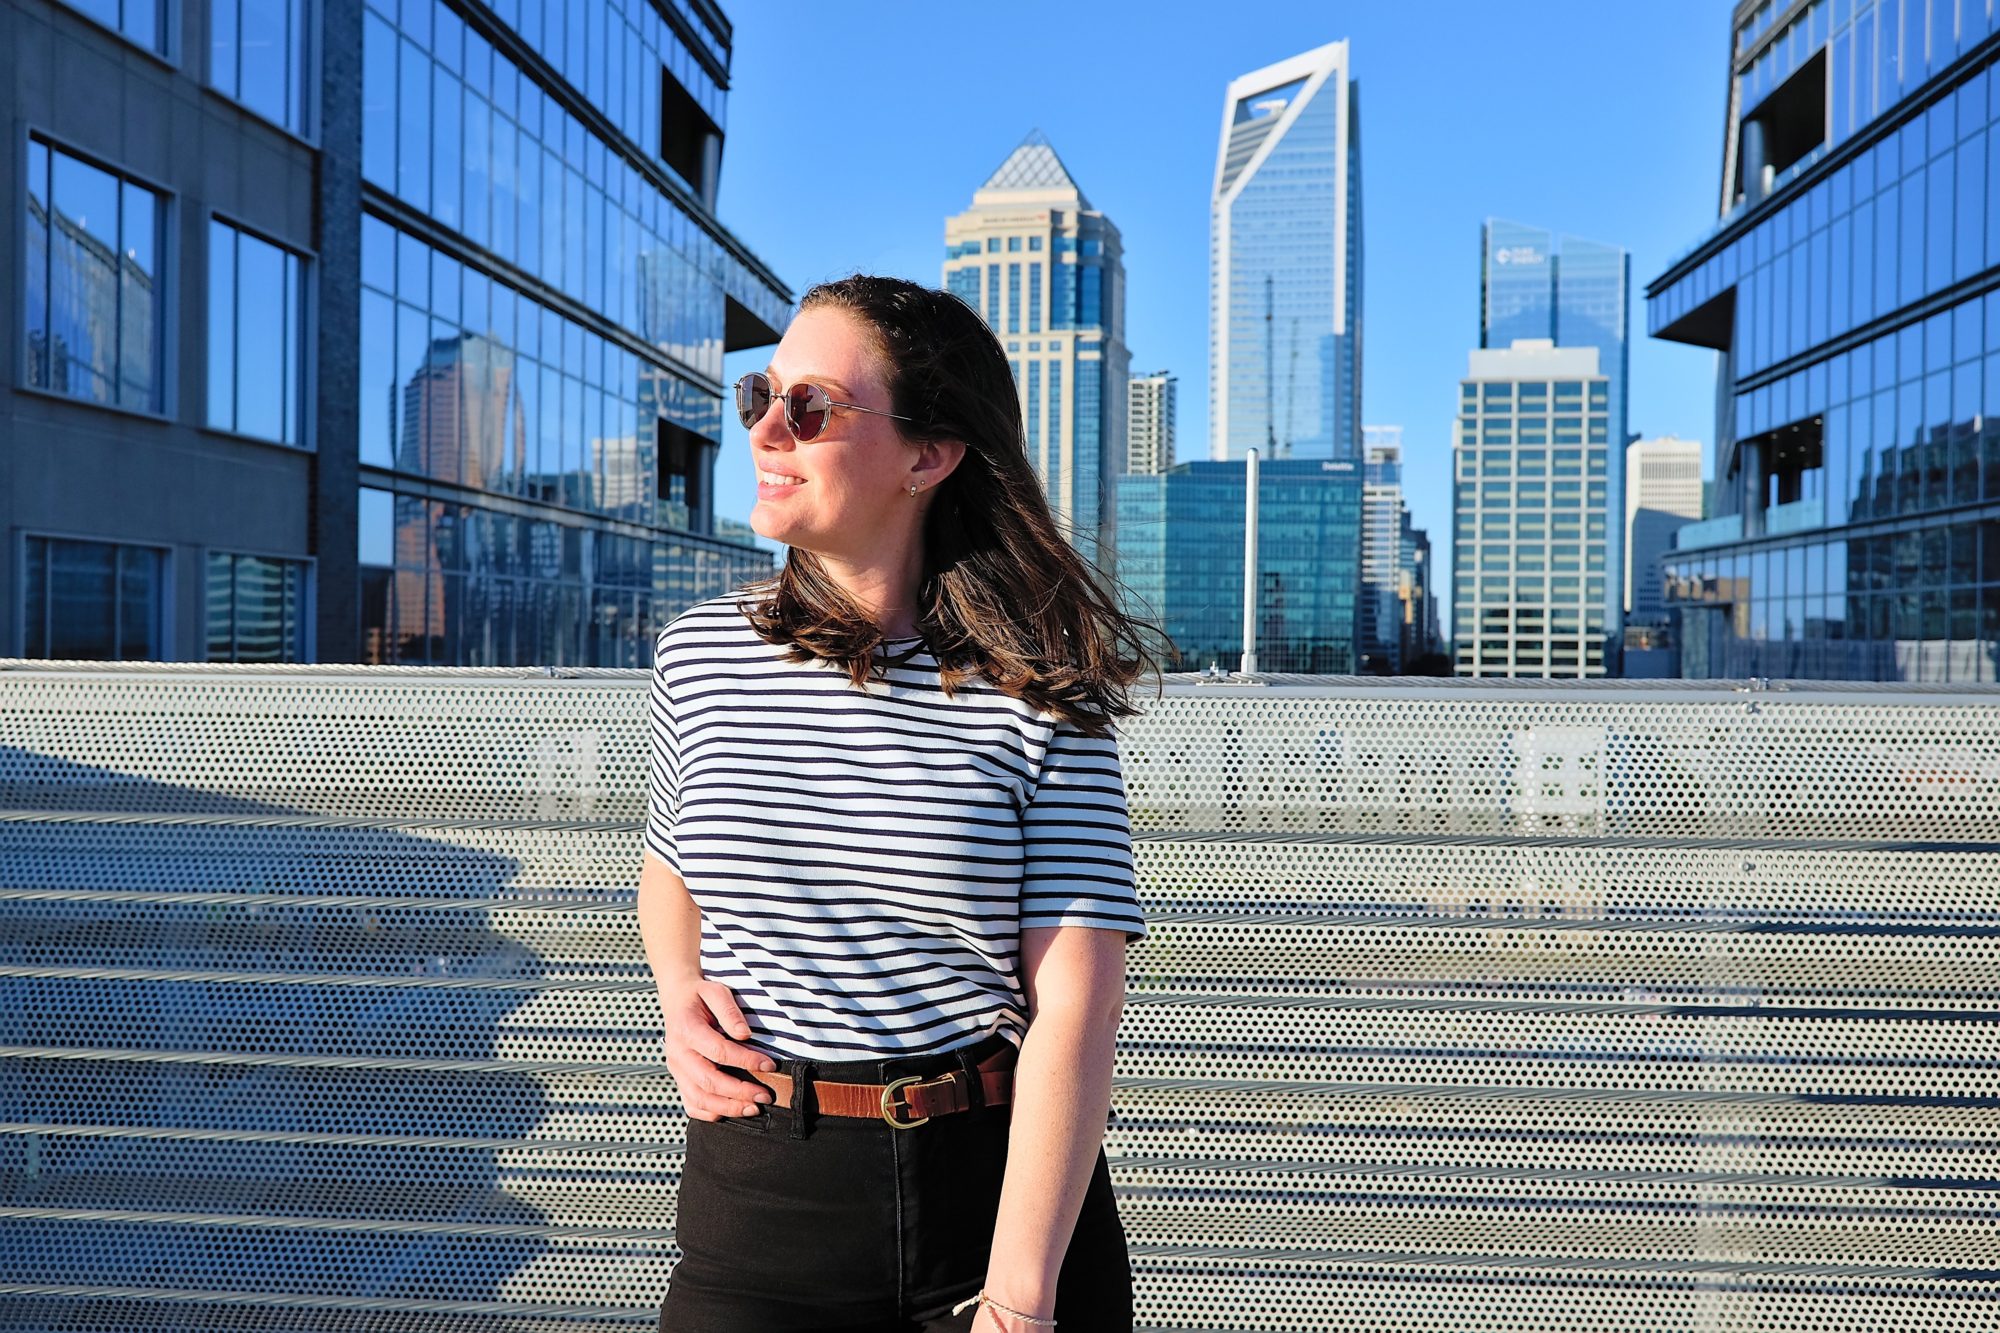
[1046, 269]
[405, 344]
[1390, 586]
[1149, 423]
[1663, 491]
[1528, 512]
[1181, 560]
[1852, 285]
[1284, 340]
[1534, 283]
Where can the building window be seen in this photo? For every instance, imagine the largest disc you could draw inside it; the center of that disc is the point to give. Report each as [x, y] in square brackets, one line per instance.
[101, 601]
[993, 296]
[964, 284]
[1013, 298]
[1034, 298]
[1062, 296]
[1034, 242]
[1091, 315]
[992, 245]
[256, 608]
[257, 55]
[255, 322]
[141, 21]
[1014, 243]
[94, 307]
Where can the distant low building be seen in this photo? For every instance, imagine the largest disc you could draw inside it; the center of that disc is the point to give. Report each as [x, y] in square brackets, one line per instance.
[1181, 561]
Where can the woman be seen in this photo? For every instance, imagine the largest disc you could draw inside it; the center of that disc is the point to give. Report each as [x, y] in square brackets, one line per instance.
[888, 879]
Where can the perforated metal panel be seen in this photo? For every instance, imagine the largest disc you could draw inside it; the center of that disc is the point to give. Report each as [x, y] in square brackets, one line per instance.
[1480, 1005]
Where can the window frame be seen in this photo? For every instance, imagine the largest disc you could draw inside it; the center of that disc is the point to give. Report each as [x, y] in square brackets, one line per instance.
[169, 580]
[308, 597]
[170, 32]
[310, 68]
[169, 288]
[308, 317]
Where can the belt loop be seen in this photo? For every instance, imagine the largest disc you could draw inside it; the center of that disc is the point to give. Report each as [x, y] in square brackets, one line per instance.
[805, 1101]
[975, 1088]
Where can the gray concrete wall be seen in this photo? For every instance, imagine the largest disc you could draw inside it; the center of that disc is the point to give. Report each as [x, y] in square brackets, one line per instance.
[70, 468]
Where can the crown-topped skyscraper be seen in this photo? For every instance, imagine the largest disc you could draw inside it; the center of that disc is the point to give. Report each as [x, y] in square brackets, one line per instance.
[1046, 271]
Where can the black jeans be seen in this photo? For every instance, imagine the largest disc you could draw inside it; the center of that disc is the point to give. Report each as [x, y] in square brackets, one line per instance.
[834, 1224]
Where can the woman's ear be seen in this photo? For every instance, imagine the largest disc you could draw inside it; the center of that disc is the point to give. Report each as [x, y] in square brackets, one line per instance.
[936, 460]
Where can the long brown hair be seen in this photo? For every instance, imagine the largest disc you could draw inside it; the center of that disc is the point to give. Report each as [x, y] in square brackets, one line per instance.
[1003, 595]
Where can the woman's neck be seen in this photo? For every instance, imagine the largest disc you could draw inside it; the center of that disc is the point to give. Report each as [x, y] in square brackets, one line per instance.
[885, 592]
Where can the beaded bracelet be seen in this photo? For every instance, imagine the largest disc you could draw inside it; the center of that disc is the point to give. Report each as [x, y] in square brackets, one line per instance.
[981, 1298]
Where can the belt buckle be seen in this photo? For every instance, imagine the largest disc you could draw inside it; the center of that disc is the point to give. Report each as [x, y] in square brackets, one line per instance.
[889, 1108]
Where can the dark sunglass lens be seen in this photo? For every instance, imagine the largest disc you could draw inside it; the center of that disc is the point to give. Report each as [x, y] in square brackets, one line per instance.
[753, 399]
[806, 409]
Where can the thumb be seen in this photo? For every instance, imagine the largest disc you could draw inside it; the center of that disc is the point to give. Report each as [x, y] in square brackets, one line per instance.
[722, 1003]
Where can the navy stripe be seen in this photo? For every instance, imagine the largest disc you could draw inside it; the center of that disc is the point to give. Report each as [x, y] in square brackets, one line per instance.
[866, 859]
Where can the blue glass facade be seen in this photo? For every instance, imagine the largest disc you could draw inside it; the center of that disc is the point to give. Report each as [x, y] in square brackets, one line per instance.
[1285, 240]
[1534, 283]
[543, 312]
[1180, 560]
[1853, 288]
[451, 267]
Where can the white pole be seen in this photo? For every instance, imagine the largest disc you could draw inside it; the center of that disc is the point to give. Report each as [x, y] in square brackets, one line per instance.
[1249, 666]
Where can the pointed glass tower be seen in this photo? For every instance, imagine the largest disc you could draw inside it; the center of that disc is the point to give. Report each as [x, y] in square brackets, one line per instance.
[1284, 304]
[1046, 270]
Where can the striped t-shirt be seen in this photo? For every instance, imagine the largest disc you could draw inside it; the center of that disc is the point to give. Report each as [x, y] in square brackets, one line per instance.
[865, 861]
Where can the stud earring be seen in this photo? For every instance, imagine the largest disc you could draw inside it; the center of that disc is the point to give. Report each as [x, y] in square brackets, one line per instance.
[913, 492]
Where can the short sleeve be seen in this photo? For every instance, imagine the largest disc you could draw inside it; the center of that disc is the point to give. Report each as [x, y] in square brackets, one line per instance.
[663, 764]
[1077, 836]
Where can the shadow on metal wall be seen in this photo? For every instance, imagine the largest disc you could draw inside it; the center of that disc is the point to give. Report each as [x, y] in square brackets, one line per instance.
[262, 1067]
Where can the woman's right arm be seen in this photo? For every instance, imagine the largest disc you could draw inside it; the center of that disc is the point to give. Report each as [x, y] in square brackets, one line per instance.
[694, 1011]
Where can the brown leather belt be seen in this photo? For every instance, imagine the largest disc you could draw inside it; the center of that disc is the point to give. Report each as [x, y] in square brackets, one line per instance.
[918, 1096]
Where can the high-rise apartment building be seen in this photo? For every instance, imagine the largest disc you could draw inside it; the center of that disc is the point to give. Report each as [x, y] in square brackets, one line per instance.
[357, 331]
[1149, 423]
[1663, 492]
[1181, 561]
[1852, 286]
[1391, 609]
[1047, 272]
[1285, 263]
[1528, 512]
[1416, 592]
[1535, 283]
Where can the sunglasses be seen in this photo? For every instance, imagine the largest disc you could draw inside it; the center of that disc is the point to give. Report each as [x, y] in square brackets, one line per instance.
[807, 406]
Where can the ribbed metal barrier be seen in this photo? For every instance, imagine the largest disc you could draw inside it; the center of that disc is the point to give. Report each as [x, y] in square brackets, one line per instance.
[1495, 1005]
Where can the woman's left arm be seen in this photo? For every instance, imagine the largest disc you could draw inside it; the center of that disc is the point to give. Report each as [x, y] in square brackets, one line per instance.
[1075, 982]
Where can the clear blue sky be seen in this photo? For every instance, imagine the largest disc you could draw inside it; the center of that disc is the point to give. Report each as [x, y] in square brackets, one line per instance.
[856, 129]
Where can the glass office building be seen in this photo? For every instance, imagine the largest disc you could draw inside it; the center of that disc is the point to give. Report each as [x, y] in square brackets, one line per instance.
[1529, 512]
[1535, 283]
[408, 349]
[1285, 263]
[1047, 271]
[1852, 285]
[1181, 561]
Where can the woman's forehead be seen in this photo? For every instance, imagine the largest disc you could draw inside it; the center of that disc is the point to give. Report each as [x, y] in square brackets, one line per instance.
[828, 347]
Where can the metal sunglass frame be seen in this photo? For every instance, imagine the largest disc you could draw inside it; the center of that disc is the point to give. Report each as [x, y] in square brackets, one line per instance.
[750, 419]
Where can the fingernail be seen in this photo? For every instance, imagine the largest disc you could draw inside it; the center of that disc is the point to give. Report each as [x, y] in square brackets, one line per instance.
[749, 1110]
[763, 1096]
[768, 1065]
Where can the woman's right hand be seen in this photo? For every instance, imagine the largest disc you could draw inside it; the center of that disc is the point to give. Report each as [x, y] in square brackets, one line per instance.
[696, 1014]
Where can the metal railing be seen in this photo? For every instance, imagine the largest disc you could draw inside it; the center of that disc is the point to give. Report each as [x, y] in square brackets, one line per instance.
[1508, 1005]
